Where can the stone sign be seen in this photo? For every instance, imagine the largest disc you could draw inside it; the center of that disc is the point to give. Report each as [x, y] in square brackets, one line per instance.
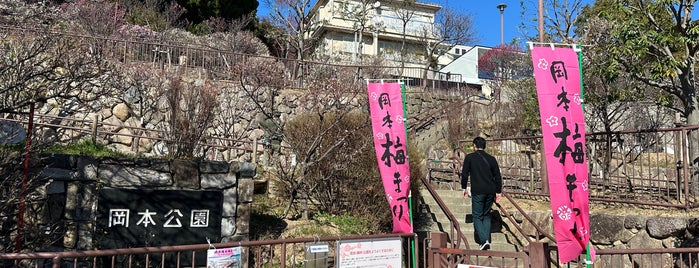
[145, 217]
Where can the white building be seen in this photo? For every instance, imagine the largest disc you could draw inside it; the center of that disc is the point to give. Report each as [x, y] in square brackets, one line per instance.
[355, 30]
[463, 61]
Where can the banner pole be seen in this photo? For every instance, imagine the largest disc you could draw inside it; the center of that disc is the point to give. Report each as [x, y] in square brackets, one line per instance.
[410, 192]
[588, 259]
[580, 67]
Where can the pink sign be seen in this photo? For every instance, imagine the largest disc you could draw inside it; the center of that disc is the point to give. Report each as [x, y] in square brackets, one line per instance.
[388, 123]
[557, 74]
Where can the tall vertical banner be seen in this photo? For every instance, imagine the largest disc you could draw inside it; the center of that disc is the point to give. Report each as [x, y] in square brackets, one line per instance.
[558, 77]
[388, 124]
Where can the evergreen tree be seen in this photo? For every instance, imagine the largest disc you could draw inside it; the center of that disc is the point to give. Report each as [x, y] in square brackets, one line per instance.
[201, 10]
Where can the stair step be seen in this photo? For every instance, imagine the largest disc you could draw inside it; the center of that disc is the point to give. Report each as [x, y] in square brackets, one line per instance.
[460, 207]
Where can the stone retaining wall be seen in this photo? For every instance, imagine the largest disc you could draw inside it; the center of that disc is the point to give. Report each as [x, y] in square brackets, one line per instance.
[629, 231]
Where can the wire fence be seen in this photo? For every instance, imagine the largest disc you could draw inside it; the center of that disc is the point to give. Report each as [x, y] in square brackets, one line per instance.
[220, 64]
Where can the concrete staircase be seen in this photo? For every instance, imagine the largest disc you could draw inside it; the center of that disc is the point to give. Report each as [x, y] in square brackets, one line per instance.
[461, 209]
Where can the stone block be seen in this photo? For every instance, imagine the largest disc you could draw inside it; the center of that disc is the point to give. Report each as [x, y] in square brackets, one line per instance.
[160, 165]
[541, 219]
[230, 202]
[228, 226]
[70, 239]
[235, 238]
[243, 219]
[214, 167]
[186, 173]
[664, 227]
[246, 190]
[121, 111]
[84, 236]
[124, 137]
[693, 226]
[635, 222]
[87, 169]
[605, 229]
[129, 176]
[62, 161]
[218, 181]
[643, 240]
[72, 205]
[87, 201]
[56, 187]
[244, 169]
[57, 174]
[55, 207]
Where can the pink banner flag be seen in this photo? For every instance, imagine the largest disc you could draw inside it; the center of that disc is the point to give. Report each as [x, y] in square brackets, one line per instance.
[387, 120]
[557, 74]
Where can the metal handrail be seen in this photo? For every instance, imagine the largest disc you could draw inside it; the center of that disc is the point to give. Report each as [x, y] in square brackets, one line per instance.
[539, 231]
[508, 215]
[455, 227]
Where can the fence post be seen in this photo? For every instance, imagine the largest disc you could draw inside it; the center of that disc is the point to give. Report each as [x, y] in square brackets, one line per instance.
[538, 254]
[56, 262]
[94, 129]
[439, 240]
[254, 151]
[685, 168]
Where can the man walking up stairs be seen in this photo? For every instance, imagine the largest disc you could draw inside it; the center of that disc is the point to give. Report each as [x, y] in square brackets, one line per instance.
[461, 209]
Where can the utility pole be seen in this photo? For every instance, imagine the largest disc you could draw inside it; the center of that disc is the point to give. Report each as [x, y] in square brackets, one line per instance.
[541, 21]
[502, 7]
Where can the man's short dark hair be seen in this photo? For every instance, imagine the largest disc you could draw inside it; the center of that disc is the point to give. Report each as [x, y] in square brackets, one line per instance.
[479, 142]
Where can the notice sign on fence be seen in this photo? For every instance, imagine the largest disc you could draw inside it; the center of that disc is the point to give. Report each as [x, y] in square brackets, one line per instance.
[385, 252]
[317, 255]
[223, 258]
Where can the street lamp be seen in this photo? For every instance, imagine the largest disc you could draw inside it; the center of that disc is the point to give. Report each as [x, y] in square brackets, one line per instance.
[502, 7]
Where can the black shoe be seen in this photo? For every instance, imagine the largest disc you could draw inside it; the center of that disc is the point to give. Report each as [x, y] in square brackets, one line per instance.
[485, 246]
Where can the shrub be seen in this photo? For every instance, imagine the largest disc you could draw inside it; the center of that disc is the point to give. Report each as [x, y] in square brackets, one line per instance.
[346, 182]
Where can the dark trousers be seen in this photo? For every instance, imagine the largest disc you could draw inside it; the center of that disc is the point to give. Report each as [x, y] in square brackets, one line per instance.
[481, 205]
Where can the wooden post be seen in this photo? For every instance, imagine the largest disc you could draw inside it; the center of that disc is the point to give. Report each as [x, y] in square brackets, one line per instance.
[254, 151]
[538, 255]
[439, 240]
[94, 129]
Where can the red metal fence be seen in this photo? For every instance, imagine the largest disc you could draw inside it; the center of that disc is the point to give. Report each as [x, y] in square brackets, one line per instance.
[269, 253]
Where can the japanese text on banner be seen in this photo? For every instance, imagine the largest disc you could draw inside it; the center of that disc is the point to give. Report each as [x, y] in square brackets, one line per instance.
[557, 76]
[387, 119]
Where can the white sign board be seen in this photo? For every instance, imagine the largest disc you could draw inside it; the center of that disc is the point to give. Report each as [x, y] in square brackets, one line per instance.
[223, 257]
[385, 252]
[471, 266]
